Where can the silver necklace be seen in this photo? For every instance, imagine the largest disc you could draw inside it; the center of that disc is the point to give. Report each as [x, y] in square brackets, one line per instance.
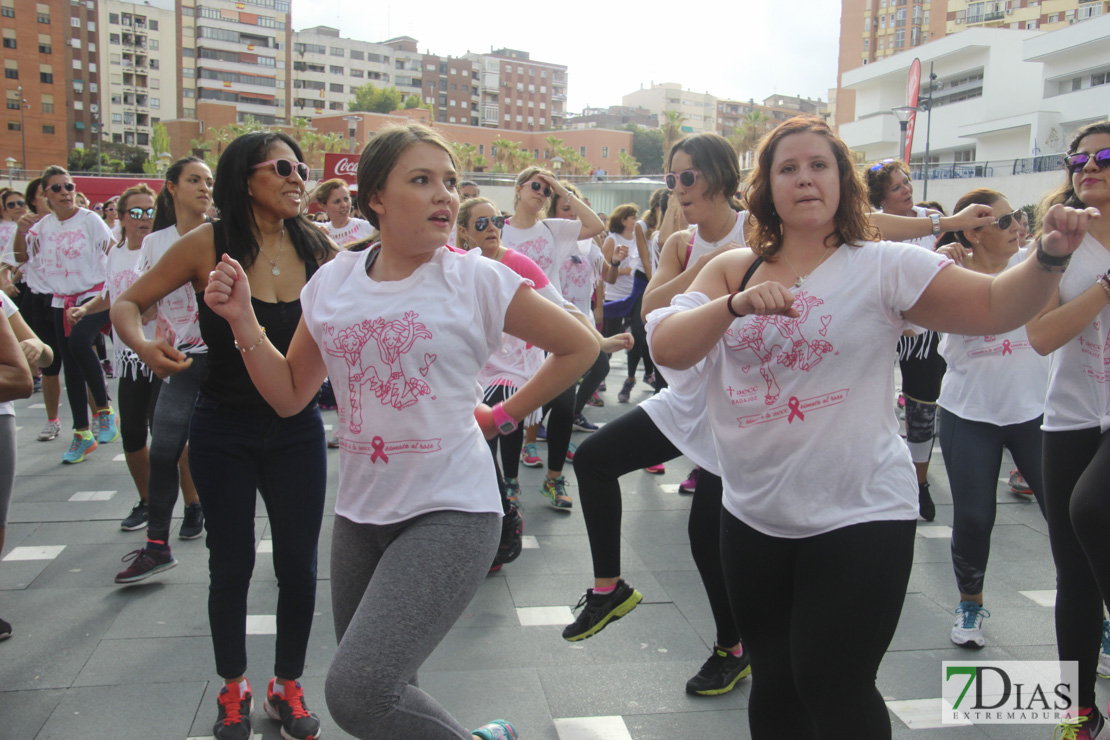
[274, 269]
[802, 278]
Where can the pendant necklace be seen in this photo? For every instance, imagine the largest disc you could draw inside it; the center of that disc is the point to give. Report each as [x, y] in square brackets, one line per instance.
[802, 278]
[274, 269]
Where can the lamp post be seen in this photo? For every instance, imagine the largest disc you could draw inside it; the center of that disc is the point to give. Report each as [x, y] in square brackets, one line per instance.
[10, 161]
[165, 159]
[22, 125]
[927, 106]
[557, 164]
[352, 122]
[96, 132]
[903, 113]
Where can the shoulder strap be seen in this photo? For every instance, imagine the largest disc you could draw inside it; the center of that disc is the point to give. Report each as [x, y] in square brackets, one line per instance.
[750, 272]
[690, 248]
[219, 239]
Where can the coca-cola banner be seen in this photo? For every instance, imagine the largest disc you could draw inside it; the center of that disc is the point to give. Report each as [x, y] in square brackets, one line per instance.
[343, 166]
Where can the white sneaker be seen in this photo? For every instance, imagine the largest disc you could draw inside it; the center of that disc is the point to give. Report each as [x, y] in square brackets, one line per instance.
[1104, 654]
[50, 431]
[968, 630]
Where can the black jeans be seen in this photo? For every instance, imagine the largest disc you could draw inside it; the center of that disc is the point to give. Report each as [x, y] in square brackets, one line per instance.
[1076, 469]
[173, 416]
[232, 454]
[81, 365]
[972, 455]
[629, 443]
[813, 605]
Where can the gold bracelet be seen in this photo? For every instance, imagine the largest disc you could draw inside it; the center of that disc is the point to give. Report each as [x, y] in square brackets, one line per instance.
[254, 346]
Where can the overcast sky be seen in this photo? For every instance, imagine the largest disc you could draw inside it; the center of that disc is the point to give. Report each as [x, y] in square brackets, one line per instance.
[738, 50]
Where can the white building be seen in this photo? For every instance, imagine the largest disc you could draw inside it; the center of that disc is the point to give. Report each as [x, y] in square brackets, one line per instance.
[141, 60]
[999, 94]
[699, 109]
[327, 69]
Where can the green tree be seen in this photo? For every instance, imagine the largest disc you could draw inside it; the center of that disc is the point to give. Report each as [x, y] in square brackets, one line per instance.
[465, 153]
[159, 143]
[415, 101]
[372, 100]
[212, 144]
[672, 129]
[628, 164]
[748, 133]
[119, 158]
[647, 148]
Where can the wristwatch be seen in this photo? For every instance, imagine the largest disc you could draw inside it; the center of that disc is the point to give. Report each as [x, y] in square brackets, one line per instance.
[935, 218]
[505, 424]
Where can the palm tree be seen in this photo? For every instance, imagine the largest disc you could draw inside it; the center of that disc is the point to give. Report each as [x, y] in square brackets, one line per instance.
[748, 134]
[629, 165]
[672, 130]
[504, 152]
[466, 154]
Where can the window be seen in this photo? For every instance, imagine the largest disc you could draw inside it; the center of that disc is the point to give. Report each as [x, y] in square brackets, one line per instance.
[91, 26]
[9, 41]
[47, 107]
[13, 126]
[337, 52]
[154, 83]
[44, 17]
[188, 93]
[357, 55]
[79, 125]
[1099, 79]
[582, 151]
[11, 74]
[48, 128]
[154, 44]
[335, 88]
[113, 38]
[7, 12]
[74, 22]
[335, 69]
[356, 73]
[604, 152]
[188, 72]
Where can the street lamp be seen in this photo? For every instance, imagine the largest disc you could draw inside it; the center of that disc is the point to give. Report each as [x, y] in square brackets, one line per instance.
[352, 122]
[10, 161]
[903, 113]
[557, 164]
[165, 159]
[95, 109]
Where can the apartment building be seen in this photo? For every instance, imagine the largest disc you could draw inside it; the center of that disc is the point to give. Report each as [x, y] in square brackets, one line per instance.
[36, 66]
[453, 88]
[871, 30]
[527, 95]
[327, 69]
[699, 110]
[238, 53]
[615, 116]
[138, 52]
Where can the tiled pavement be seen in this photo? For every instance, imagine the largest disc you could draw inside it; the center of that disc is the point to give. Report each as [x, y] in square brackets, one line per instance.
[93, 660]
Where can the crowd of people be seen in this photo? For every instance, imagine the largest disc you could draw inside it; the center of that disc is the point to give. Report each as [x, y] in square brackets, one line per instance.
[451, 336]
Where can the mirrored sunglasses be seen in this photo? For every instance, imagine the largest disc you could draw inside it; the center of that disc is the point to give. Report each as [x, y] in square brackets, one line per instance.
[1076, 162]
[14, 204]
[686, 177]
[538, 186]
[1004, 222]
[481, 223]
[68, 187]
[285, 167]
[138, 213]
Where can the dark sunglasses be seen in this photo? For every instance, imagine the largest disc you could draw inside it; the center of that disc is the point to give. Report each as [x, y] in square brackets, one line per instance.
[879, 165]
[58, 188]
[137, 213]
[284, 167]
[538, 186]
[1076, 162]
[686, 177]
[109, 208]
[1004, 222]
[14, 204]
[482, 222]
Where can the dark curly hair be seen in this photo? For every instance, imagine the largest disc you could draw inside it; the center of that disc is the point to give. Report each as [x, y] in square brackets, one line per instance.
[878, 180]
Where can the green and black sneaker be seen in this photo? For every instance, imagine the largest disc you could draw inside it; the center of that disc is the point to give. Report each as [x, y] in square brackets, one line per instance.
[720, 674]
[600, 610]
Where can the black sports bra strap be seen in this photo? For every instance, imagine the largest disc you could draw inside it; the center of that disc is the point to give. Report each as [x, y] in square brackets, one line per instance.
[750, 272]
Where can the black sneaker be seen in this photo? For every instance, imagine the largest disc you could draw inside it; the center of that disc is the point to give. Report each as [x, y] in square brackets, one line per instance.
[720, 674]
[601, 610]
[137, 519]
[925, 503]
[512, 530]
[233, 722]
[145, 563]
[297, 723]
[5, 630]
[192, 526]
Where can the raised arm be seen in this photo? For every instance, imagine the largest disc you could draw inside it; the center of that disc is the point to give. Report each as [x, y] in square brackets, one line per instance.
[673, 276]
[642, 248]
[673, 220]
[15, 374]
[901, 228]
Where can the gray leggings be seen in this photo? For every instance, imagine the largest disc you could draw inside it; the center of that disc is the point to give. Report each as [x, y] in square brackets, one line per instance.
[7, 465]
[173, 415]
[396, 591]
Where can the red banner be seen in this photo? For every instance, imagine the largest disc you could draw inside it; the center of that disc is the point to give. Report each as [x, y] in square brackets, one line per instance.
[100, 189]
[343, 166]
[913, 89]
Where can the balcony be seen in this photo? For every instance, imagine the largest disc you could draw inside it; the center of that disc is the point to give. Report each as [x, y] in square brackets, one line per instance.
[996, 16]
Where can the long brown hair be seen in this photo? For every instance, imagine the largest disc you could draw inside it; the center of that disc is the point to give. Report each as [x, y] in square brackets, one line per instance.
[1066, 193]
[381, 155]
[850, 222]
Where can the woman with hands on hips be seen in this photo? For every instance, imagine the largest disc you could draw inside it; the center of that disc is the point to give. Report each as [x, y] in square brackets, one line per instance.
[405, 326]
[794, 389]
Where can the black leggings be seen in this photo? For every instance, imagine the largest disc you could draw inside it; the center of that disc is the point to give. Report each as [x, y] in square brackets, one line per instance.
[629, 443]
[813, 605]
[921, 379]
[591, 381]
[1076, 468]
[42, 323]
[510, 444]
[972, 455]
[634, 324]
[138, 395]
[81, 365]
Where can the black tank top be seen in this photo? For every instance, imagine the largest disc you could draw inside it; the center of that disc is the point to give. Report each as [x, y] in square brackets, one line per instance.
[226, 378]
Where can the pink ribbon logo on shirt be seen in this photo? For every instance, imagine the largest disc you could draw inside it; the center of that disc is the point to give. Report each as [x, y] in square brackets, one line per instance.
[379, 450]
[792, 404]
[1006, 347]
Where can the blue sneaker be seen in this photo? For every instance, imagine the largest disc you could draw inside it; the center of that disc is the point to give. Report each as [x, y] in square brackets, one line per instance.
[541, 433]
[109, 426]
[512, 490]
[571, 449]
[582, 424]
[554, 489]
[968, 630]
[499, 729]
[79, 447]
[1104, 654]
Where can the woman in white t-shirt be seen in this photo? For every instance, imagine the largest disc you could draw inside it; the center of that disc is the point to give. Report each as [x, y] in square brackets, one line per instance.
[406, 325]
[110, 212]
[343, 229]
[549, 242]
[68, 249]
[798, 384]
[991, 398]
[1077, 416]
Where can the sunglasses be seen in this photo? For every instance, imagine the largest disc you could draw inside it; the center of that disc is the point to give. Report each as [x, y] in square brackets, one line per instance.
[879, 165]
[482, 222]
[14, 204]
[1076, 162]
[538, 186]
[686, 177]
[1004, 222]
[68, 187]
[285, 167]
[110, 208]
[137, 213]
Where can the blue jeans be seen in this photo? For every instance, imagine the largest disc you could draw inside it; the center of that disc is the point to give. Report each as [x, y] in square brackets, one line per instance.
[232, 454]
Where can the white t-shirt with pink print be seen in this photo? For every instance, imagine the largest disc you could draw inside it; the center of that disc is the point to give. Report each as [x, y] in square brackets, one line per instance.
[123, 270]
[70, 256]
[801, 412]
[403, 357]
[178, 315]
[1079, 377]
[548, 243]
[580, 273]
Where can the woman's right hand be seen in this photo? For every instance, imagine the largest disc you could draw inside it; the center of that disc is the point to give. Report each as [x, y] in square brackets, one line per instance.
[620, 253]
[27, 220]
[161, 357]
[228, 293]
[972, 217]
[765, 299]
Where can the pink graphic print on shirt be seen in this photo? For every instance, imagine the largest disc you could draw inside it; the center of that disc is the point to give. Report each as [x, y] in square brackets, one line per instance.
[538, 250]
[779, 340]
[393, 385]
[68, 247]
